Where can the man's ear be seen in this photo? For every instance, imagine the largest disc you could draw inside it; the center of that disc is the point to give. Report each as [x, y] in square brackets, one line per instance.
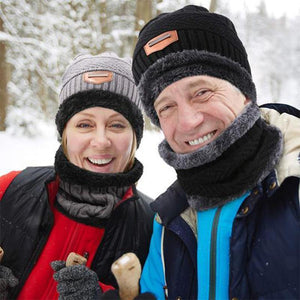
[247, 100]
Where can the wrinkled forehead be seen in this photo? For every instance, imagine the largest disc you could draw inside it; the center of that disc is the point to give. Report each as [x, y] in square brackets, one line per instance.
[191, 83]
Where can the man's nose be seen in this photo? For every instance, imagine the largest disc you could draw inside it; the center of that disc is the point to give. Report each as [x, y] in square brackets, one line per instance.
[188, 117]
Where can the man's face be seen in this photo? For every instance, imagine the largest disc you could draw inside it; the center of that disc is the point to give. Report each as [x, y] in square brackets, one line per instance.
[195, 110]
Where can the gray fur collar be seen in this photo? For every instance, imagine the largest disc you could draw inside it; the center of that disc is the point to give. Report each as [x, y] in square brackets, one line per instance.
[213, 150]
[237, 171]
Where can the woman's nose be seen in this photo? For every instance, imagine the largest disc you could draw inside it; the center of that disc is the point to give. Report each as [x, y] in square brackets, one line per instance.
[100, 139]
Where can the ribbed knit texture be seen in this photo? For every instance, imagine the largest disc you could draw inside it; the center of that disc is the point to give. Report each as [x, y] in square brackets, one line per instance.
[197, 29]
[207, 44]
[90, 197]
[118, 93]
[88, 204]
[122, 81]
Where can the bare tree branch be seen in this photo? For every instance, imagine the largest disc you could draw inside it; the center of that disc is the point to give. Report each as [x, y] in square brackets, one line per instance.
[213, 5]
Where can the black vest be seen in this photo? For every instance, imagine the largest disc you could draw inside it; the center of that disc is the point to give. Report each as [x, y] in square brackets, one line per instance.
[26, 221]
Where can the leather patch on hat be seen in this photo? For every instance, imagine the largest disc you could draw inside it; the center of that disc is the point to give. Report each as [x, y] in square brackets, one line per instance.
[97, 77]
[161, 41]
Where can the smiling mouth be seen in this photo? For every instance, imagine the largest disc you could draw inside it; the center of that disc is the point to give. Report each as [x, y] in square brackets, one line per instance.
[99, 162]
[203, 139]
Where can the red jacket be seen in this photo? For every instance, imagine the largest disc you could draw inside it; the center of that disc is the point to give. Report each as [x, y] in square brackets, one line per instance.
[65, 236]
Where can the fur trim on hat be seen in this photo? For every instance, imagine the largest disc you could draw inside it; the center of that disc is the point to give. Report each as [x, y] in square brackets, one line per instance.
[99, 98]
[178, 65]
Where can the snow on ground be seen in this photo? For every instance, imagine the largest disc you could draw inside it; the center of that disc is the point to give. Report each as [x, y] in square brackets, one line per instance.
[18, 152]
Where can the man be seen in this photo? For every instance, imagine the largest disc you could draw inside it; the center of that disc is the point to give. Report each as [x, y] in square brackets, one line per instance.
[229, 227]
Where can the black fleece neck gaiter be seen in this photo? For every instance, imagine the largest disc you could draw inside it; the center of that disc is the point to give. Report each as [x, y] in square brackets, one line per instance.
[230, 165]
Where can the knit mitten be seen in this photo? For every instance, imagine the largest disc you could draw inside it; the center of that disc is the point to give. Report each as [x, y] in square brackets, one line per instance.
[75, 282]
[7, 281]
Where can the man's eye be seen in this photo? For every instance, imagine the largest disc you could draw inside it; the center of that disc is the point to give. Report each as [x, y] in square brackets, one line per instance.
[202, 92]
[204, 95]
[164, 108]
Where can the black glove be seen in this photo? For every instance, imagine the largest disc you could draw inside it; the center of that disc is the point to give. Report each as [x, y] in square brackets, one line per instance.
[7, 281]
[75, 282]
[114, 295]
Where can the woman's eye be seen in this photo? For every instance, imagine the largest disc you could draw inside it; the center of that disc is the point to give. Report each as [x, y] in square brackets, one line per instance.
[83, 125]
[117, 125]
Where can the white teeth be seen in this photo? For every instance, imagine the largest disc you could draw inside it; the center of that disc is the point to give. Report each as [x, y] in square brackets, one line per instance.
[100, 161]
[201, 140]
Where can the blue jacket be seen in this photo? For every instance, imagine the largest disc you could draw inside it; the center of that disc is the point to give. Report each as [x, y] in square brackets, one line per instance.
[260, 258]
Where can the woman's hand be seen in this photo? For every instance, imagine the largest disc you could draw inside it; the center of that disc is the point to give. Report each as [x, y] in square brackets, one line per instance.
[7, 281]
[75, 282]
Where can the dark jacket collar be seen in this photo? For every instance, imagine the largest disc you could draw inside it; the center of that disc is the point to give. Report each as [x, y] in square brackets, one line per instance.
[171, 203]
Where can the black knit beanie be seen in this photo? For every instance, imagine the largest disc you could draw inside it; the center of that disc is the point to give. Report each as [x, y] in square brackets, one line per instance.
[187, 42]
[103, 80]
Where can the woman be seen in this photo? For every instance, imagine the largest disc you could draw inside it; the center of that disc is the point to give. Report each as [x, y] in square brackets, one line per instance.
[87, 203]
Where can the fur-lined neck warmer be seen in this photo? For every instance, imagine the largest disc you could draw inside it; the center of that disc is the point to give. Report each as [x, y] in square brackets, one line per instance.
[234, 163]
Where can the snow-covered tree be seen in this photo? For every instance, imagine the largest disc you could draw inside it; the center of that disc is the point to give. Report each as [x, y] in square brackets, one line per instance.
[38, 39]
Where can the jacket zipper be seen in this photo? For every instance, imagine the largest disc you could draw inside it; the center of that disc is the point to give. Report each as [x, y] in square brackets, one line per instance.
[213, 254]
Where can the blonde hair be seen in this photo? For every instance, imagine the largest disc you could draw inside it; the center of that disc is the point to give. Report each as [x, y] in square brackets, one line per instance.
[132, 153]
[130, 162]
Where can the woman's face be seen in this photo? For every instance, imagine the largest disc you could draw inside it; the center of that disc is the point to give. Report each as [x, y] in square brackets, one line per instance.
[99, 140]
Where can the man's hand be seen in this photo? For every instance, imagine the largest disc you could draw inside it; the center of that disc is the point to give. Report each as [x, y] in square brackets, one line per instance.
[75, 282]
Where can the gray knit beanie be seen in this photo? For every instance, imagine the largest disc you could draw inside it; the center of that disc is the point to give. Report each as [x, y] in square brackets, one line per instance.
[103, 80]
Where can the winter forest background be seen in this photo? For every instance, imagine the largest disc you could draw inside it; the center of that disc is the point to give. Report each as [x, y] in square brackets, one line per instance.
[38, 39]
